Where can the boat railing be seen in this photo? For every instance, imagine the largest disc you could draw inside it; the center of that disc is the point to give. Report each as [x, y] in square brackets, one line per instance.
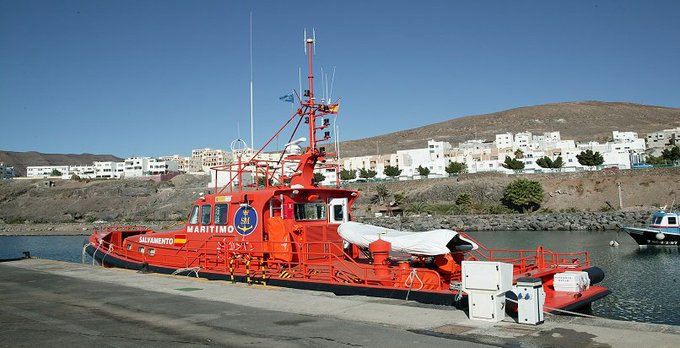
[330, 263]
[530, 260]
[129, 228]
[264, 173]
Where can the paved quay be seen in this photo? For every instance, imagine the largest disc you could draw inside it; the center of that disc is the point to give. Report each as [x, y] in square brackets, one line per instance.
[53, 303]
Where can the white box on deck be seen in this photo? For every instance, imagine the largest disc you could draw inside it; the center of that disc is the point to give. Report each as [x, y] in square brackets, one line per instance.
[487, 276]
[571, 281]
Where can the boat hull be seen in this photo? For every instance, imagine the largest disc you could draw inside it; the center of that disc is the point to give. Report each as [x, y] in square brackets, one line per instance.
[649, 236]
[568, 302]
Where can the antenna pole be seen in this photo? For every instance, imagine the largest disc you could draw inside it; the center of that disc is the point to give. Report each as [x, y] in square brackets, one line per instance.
[330, 93]
[310, 100]
[323, 87]
[252, 137]
[336, 132]
[300, 79]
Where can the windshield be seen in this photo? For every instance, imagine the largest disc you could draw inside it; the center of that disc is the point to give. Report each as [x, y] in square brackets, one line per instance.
[310, 211]
[194, 216]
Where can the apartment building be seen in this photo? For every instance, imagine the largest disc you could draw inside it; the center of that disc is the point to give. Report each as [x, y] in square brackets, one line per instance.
[6, 172]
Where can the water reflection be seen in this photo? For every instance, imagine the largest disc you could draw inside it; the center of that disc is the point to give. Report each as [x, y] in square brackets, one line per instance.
[654, 250]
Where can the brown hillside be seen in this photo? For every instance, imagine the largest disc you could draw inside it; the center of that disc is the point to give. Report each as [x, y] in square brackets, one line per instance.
[19, 160]
[582, 121]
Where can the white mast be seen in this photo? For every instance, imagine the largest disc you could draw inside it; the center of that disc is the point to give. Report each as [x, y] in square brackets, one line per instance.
[300, 80]
[252, 137]
[330, 93]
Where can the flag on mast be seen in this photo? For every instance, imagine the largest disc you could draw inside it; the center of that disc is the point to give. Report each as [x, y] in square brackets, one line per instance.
[333, 108]
[288, 98]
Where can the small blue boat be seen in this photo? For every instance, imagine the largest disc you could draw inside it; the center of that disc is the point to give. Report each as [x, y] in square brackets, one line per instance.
[663, 229]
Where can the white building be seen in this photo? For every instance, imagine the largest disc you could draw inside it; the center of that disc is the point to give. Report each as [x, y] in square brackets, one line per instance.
[624, 136]
[504, 141]
[523, 141]
[211, 157]
[625, 150]
[6, 172]
[82, 171]
[109, 169]
[46, 171]
[185, 164]
[547, 140]
[657, 141]
[143, 166]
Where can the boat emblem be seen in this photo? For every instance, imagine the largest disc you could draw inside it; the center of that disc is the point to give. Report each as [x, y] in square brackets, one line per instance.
[245, 220]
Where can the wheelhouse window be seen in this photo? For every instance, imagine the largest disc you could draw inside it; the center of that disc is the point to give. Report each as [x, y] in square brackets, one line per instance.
[672, 220]
[657, 220]
[275, 207]
[221, 214]
[205, 216]
[193, 220]
[310, 211]
[337, 213]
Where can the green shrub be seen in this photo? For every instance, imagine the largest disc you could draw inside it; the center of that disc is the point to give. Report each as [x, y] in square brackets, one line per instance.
[14, 220]
[464, 199]
[523, 195]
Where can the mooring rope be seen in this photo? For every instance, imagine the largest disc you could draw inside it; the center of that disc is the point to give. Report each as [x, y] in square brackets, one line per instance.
[189, 270]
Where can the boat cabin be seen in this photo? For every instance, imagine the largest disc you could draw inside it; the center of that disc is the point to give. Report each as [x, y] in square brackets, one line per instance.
[267, 221]
[665, 220]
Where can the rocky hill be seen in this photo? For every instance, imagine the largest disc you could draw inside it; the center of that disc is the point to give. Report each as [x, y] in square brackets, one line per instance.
[582, 121]
[20, 160]
[641, 189]
[91, 200]
[124, 201]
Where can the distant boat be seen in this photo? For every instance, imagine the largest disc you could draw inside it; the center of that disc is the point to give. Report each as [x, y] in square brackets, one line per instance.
[663, 229]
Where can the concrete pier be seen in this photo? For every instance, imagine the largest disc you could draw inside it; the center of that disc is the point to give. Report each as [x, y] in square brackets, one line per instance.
[51, 303]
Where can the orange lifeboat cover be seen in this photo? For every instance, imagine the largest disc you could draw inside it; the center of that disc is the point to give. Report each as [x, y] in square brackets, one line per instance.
[279, 239]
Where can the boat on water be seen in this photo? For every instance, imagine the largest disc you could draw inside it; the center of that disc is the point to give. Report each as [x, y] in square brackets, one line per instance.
[288, 231]
[663, 229]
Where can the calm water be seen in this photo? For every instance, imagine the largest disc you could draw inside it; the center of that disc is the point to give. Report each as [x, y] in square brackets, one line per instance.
[645, 282]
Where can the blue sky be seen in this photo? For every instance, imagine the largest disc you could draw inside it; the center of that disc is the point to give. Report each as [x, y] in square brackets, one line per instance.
[164, 77]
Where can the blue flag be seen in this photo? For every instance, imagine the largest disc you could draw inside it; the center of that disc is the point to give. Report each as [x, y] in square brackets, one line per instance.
[288, 98]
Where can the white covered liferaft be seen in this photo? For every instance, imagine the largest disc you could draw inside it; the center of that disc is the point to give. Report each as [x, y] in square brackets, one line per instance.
[435, 242]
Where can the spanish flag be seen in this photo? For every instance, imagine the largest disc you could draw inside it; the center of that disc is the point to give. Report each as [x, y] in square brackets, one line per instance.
[333, 108]
[180, 239]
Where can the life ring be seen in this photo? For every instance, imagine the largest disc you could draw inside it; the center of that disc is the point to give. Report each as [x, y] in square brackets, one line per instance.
[221, 244]
[219, 250]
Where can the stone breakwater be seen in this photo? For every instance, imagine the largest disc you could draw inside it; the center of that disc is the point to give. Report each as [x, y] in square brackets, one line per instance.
[596, 221]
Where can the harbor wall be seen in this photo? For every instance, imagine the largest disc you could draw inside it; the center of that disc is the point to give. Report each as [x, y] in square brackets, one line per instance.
[577, 221]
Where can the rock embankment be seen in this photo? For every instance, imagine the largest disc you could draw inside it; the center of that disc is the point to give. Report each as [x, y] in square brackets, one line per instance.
[515, 222]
